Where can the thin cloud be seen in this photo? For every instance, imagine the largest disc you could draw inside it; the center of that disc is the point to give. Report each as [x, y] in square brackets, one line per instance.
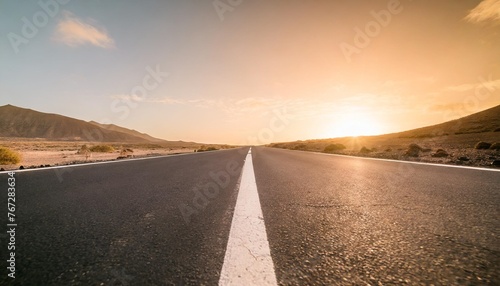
[262, 106]
[462, 87]
[74, 32]
[446, 107]
[490, 85]
[396, 83]
[126, 97]
[249, 105]
[486, 11]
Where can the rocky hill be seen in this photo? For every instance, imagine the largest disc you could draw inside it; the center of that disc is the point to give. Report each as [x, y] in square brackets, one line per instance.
[26, 123]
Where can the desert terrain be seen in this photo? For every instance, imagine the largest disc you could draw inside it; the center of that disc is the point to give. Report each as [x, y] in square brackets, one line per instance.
[33, 139]
[473, 140]
[43, 153]
[448, 149]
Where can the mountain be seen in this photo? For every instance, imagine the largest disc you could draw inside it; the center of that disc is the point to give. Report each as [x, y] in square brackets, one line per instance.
[462, 133]
[484, 121]
[27, 123]
[131, 132]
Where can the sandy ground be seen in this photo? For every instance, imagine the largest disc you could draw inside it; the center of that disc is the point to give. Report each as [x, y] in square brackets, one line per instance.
[459, 148]
[38, 158]
[464, 157]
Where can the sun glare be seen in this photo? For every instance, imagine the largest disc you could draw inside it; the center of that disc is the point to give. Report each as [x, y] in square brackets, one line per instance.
[355, 124]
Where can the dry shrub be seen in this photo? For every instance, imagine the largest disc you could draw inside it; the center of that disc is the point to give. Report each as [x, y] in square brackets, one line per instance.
[365, 150]
[102, 149]
[413, 150]
[83, 150]
[8, 156]
[482, 145]
[495, 146]
[333, 147]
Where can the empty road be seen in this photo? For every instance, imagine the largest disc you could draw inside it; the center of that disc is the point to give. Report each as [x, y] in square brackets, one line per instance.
[308, 219]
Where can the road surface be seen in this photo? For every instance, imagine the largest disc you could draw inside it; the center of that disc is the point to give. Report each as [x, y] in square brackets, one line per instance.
[325, 219]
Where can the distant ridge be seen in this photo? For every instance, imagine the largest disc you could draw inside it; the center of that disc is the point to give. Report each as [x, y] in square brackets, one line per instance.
[484, 121]
[131, 132]
[26, 123]
[464, 132]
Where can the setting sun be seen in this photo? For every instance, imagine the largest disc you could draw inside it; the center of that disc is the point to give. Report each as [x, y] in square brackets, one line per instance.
[355, 124]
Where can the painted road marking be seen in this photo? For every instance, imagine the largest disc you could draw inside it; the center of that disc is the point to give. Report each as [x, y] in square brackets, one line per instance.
[400, 161]
[248, 259]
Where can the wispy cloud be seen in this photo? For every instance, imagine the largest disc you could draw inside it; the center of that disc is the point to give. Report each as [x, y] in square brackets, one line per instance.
[486, 11]
[165, 100]
[446, 107]
[73, 32]
[262, 106]
[490, 85]
[229, 105]
[396, 83]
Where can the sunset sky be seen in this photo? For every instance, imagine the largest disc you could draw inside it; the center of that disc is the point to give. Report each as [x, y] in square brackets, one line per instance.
[252, 72]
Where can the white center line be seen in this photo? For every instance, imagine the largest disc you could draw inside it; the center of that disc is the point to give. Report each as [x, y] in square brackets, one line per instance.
[248, 258]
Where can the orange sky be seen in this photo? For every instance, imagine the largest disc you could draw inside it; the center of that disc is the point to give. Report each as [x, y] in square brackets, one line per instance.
[256, 72]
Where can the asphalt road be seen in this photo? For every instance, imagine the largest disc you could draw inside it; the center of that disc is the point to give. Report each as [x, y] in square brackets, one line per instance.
[329, 220]
[343, 220]
[121, 223]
